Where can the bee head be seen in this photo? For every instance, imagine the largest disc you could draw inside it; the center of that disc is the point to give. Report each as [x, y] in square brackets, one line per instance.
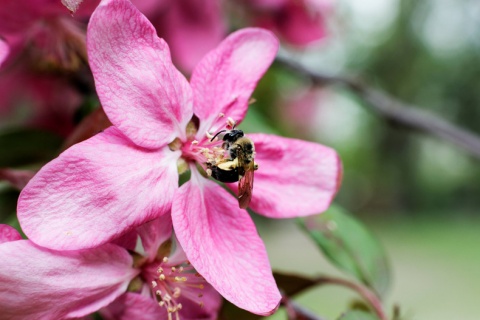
[233, 135]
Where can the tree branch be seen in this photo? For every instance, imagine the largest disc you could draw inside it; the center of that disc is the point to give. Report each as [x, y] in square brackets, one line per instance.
[394, 110]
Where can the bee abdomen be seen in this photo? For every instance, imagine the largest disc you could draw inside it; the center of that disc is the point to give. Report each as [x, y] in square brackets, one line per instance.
[225, 175]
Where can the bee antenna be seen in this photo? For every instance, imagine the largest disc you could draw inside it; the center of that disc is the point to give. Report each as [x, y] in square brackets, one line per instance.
[211, 140]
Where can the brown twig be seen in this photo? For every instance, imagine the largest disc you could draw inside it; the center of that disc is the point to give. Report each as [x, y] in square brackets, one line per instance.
[366, 293]
[394, 110]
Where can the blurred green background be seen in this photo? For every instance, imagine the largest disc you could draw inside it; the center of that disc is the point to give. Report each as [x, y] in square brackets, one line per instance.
[419, 194]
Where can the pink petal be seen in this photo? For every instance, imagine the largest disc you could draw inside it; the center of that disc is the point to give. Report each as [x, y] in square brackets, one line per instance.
[139, 88]
[221, 242]
[96, 191]
[49, 284]
[206, 308]
[302, 23]
[4, 51]
[8, 233]
[19, 15]
[133, 306]
[154, 233]
[295, 178]
[191, 28]
[224, 80]
[151, 8]
[127, 241]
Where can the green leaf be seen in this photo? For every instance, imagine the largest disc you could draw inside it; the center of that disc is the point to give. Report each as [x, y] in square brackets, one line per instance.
[357, 315]
[27, 146]
[350, 246]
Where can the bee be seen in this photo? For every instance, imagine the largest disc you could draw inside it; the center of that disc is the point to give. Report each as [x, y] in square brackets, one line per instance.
[240, 165]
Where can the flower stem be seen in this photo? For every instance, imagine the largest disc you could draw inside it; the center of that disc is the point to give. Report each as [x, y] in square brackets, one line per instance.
[366, 293]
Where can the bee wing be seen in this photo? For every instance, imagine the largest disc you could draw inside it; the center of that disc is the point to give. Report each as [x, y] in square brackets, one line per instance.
[245, 186]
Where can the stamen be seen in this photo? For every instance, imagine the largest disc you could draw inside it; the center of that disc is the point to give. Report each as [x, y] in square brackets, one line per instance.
[170, 286]
[231, 123]
[181, 279]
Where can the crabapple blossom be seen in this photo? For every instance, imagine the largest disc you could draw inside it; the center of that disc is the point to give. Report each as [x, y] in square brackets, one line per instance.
[45, 47]
[127, 175]
[156, 283]
[297, 22]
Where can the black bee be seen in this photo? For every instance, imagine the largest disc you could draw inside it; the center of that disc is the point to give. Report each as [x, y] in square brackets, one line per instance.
[239, 167]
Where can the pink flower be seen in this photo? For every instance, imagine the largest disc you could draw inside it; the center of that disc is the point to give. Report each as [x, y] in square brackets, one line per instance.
[190, 27]
[4, 51]
[298, 22]
[45, 46]
[127, 175]
[38, 283]
[44, 284]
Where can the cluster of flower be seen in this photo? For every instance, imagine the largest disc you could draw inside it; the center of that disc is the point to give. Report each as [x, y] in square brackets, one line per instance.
[109, 227]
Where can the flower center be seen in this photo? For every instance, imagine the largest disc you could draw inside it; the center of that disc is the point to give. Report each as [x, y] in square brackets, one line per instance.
[209, 150]
[173, 283]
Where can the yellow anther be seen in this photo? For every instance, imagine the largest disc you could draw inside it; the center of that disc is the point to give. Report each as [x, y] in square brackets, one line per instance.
[154, 284]
[162, 277]
[180, 279]
[231, 122]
